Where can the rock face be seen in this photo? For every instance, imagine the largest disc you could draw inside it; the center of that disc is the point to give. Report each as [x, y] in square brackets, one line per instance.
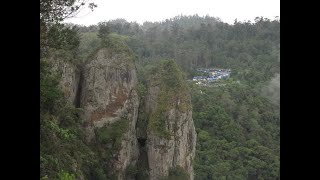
[108, 95]
[69, 77]
[171, 136]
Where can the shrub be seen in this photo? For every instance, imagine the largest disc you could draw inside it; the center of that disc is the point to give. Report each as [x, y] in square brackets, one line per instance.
[66, 176]
[177, 173]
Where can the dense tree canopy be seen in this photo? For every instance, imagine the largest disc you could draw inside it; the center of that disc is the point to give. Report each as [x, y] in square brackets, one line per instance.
[250, 49]
[238, 133]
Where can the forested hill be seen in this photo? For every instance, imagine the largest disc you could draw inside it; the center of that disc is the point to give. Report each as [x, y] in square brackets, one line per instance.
[250, 49]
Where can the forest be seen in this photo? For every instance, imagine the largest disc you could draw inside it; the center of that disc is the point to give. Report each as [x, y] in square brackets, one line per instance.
[237, 125]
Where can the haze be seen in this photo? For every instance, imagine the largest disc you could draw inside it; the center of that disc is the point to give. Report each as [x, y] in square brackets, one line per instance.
[159, 10]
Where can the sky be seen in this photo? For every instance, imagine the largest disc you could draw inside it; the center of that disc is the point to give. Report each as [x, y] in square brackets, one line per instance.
[158, 10]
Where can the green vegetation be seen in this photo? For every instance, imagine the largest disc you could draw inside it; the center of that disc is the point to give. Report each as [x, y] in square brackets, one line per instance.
[89, 43]
[112, 134]
[131, 171]
[108, 143]
[238, 133]
[65, 176]
[117, 43]
[55, 11]
[113, 41]
[62, 144]
[64, 153]
[177, 173]
[173, 94]
[250, 49]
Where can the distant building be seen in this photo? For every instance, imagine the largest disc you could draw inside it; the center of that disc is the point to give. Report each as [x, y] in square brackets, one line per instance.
[198, 78]
[213, 75]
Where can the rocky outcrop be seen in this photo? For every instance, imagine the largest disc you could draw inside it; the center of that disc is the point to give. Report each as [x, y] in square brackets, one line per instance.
[109, 96]
[69, 75]
[105, 87]
[171, 136]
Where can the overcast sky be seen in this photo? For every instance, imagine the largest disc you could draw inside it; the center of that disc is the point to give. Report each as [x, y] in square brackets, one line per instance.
[158, 10]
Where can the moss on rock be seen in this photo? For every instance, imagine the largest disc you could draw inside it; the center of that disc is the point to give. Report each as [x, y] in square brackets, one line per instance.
[173, 94]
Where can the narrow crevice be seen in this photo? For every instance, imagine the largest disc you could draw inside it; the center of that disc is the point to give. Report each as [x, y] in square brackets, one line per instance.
[142, 142]
[141, 130]
[143, 164]
[77, 100]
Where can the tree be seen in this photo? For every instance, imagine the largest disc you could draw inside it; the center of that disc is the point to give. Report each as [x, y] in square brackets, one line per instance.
[55, 11]
[104, 31]
[61, 37]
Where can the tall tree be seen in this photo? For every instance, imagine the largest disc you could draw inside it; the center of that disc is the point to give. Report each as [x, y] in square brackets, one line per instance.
[104, 31]
[55, 11]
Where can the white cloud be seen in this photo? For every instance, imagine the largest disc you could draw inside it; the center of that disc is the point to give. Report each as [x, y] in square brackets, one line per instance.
[157, 10]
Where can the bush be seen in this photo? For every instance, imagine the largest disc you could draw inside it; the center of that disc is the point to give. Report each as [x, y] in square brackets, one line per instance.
[177, 173]
[131, 170]
[112, 133]
[66, 176]
[50, 94]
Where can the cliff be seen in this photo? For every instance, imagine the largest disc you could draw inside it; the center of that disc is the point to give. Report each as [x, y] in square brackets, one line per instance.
[110, 103]
[69, 73]
[171, 136]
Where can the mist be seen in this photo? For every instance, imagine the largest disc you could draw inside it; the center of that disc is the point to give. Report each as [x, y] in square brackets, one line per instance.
[272, 90]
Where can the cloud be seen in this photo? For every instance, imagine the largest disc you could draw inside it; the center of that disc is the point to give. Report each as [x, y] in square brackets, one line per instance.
[272, 90]
[151, 10]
